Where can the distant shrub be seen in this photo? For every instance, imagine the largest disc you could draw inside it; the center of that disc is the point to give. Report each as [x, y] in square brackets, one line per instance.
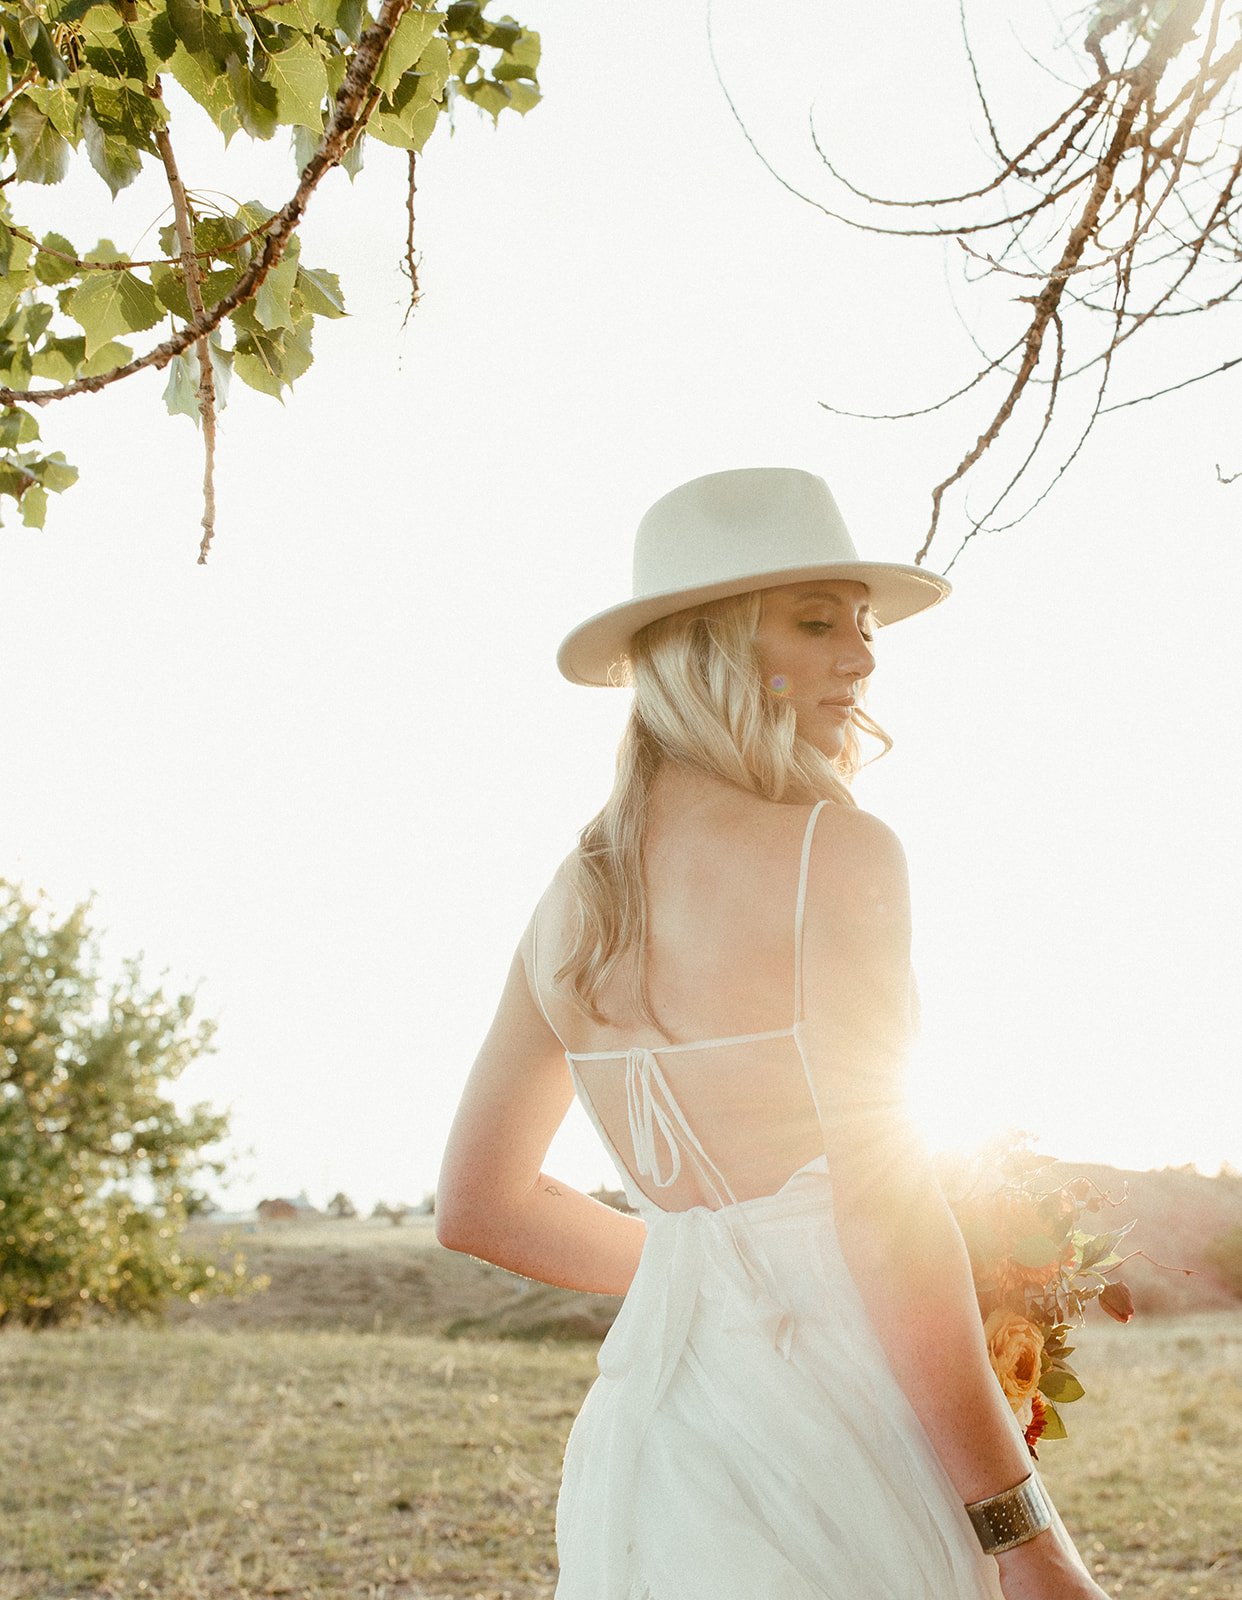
[1224, 1255]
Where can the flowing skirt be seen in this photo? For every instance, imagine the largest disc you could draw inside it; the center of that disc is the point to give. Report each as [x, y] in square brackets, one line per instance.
[745, 1445]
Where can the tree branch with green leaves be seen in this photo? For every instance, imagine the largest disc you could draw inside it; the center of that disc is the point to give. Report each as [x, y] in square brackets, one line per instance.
[87, 75]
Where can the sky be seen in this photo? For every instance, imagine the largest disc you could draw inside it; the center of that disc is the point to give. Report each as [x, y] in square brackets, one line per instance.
[322, 779]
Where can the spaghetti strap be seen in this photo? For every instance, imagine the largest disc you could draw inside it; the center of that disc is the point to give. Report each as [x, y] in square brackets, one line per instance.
[802, 874]
[534, 971]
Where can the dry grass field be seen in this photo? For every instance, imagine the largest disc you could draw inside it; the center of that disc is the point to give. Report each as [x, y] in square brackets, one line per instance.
[325, 1439]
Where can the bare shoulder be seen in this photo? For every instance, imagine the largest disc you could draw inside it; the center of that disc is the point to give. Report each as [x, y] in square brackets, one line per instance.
[548, 912]
[858, 868]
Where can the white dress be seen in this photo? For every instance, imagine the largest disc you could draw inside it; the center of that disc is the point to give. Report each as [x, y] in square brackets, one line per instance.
[746, 1438]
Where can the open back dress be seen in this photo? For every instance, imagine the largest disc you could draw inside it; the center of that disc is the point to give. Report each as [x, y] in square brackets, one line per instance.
[746, 1437]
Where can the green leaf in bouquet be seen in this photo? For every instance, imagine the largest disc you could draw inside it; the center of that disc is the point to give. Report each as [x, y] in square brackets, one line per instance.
[1054, 1428]
[1061, 1386]
[1104, 1244]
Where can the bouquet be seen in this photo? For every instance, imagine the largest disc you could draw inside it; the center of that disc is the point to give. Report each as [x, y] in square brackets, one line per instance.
[1036, 1264]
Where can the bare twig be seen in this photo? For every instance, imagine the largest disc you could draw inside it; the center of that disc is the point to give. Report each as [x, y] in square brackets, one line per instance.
[409, 265]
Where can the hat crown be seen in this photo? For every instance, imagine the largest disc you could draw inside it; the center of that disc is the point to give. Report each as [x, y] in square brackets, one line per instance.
[729, 525]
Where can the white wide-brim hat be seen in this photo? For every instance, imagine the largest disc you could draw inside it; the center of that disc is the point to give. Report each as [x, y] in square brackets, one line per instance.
[727, 533]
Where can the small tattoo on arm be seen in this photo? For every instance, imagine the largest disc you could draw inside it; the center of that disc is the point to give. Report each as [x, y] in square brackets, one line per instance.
[550, 1188]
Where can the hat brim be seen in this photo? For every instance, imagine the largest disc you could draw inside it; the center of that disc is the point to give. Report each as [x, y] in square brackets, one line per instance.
[587, 652]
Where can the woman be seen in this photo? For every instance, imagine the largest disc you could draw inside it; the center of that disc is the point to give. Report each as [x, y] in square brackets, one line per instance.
[795, 1400]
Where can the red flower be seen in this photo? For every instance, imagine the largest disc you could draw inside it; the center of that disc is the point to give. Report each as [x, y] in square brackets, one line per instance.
[1039, 1418]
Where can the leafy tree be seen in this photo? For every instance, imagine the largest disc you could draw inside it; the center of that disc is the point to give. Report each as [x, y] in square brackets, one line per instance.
[85, 1128]
[228, 293]
[342, 1206]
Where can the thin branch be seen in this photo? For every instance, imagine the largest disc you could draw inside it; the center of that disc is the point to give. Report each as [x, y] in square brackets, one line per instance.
[1172, 388]
[409, 266]
[923, 411]
[126, 265]
[194, 293]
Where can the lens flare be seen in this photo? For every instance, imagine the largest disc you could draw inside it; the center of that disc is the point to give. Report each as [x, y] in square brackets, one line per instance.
[779, 684]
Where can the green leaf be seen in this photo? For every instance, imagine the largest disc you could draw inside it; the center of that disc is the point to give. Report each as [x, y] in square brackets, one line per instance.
[300, 80]
[60, 359]
[266, 360]
[111, 47]
[108, 303]
[50, 268]
[271, 303]
[304, 142]
[56, 474]
[216, 284]
[169, 285]
[205, 32]
[113, 157]
[254, 100]
[34, 506]
[1054, 1428]
[349, 15]
[522, 96]
[17, 427]
[321, 292]
[351, 161]
[75, 10]
[410, 38]
[324, 12]
[181, 390]
[41, 154]
[202, 83]
[60, 106]
[410, 130]
[112, 354]
[488, 96]
[43, 52]
[1061, 1386]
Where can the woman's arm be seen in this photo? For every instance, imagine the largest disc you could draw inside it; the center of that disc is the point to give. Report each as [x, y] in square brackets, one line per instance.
[898, 1235]
[492, 1199]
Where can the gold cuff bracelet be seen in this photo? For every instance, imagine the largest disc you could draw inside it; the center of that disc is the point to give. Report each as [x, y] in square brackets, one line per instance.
[1011, 1517]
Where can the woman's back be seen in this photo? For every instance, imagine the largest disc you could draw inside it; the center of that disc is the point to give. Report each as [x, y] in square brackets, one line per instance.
[727, 1101]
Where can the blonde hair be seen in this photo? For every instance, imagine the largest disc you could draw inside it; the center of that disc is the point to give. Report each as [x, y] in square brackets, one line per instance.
[699, 700]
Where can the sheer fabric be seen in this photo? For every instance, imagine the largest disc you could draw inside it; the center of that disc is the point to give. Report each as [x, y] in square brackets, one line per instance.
[746, 1438]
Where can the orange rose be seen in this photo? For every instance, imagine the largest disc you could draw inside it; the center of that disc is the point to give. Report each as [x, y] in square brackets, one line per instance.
[1015, 1347]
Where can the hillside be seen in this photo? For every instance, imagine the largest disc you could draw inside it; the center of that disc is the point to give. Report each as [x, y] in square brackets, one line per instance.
[372, 1277]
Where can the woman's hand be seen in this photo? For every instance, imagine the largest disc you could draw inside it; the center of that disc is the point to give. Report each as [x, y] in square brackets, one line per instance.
[1043, 1569]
